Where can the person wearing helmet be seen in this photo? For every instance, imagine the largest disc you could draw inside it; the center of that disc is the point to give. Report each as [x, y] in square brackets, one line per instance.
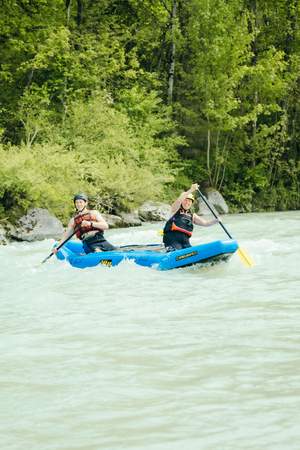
[179, 228]
[89, 226]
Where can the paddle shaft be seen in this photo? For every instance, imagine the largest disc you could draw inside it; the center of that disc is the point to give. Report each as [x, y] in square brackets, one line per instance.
[60, 245]
[209, 207]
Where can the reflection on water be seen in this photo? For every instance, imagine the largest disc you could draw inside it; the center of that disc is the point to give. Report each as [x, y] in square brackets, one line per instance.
[131, 358]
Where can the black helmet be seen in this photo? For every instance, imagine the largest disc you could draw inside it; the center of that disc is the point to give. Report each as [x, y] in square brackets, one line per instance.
[80, 196]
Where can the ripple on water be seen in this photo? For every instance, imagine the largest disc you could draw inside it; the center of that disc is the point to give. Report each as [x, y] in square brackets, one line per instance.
[134, 358]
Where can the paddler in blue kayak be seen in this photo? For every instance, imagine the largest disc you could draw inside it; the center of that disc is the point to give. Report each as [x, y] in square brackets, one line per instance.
[89, 226]
[179, 228]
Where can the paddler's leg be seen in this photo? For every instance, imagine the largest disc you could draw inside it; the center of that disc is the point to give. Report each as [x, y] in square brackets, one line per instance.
[103, 246]
[175, 240]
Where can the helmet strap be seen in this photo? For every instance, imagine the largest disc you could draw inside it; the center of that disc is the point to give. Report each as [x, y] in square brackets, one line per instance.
[80, 211]
[184, 209]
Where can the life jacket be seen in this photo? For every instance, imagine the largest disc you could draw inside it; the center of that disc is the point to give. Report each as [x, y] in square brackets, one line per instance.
[82, 230]
[182, 221]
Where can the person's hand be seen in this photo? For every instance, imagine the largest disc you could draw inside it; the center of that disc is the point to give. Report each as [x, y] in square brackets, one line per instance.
[54, 250]
[194, 187]
[85, 223]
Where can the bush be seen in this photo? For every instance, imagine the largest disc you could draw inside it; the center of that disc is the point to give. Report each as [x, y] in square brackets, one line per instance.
[97, 150]
[41, 176]
[124, 163]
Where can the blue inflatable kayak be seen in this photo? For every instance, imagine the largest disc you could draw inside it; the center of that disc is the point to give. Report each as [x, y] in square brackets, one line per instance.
[151, 255]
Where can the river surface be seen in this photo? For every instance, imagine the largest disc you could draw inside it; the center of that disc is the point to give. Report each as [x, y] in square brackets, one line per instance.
[132, 358]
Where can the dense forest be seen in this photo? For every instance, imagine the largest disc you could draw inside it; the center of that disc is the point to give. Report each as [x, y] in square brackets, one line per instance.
[131, 100]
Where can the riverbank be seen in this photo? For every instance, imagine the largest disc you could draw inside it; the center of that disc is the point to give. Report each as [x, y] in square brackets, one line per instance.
[39, 223]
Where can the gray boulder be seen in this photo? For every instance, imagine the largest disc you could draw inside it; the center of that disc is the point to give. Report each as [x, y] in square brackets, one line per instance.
[216, 200]
[122, 220]
[113, 221]
[36, 225]
[131, 219]
[154, 211]
[3, 236]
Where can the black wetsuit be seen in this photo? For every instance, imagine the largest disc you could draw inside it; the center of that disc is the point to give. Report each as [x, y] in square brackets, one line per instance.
[97, 241]
[178, 230]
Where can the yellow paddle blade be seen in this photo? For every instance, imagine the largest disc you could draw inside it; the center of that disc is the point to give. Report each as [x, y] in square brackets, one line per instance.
[246, 259]
[160, 232]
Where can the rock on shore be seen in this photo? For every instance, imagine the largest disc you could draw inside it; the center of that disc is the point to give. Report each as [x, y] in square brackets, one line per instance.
[39, 223]
[36, 225]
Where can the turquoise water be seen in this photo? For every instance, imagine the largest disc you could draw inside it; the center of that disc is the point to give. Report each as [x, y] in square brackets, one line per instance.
[132, 358]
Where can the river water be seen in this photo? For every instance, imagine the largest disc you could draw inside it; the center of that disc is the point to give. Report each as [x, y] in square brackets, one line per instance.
[133, 358]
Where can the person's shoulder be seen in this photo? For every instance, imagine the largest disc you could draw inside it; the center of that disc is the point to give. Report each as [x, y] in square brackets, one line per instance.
[94, 211]
[174, 210]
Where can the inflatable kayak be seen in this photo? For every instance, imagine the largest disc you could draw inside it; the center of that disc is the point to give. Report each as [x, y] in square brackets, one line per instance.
[150, 255]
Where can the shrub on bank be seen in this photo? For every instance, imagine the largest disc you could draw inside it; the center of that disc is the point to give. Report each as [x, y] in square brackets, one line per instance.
[97, 150]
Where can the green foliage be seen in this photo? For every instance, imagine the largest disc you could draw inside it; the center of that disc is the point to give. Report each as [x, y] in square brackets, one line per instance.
[84, 102]
[40, 176]
[121, 158]
[101, 151]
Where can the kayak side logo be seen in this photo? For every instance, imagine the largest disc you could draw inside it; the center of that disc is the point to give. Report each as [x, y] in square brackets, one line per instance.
[106, 262]
[186, 255]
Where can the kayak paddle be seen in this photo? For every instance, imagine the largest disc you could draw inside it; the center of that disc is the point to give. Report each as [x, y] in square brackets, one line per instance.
[60, 245]
[246, 259]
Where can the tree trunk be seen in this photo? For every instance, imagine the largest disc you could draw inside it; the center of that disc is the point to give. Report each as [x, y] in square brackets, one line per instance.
[292, 8]
[79, 12]
[68, 9]
[173, 50]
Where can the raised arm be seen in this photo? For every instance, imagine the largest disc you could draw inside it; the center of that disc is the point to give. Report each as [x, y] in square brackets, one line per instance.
[176, 205]
[203, 222]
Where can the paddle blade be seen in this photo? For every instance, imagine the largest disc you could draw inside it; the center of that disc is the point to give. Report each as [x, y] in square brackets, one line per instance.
[245, 258]
[46, 259]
